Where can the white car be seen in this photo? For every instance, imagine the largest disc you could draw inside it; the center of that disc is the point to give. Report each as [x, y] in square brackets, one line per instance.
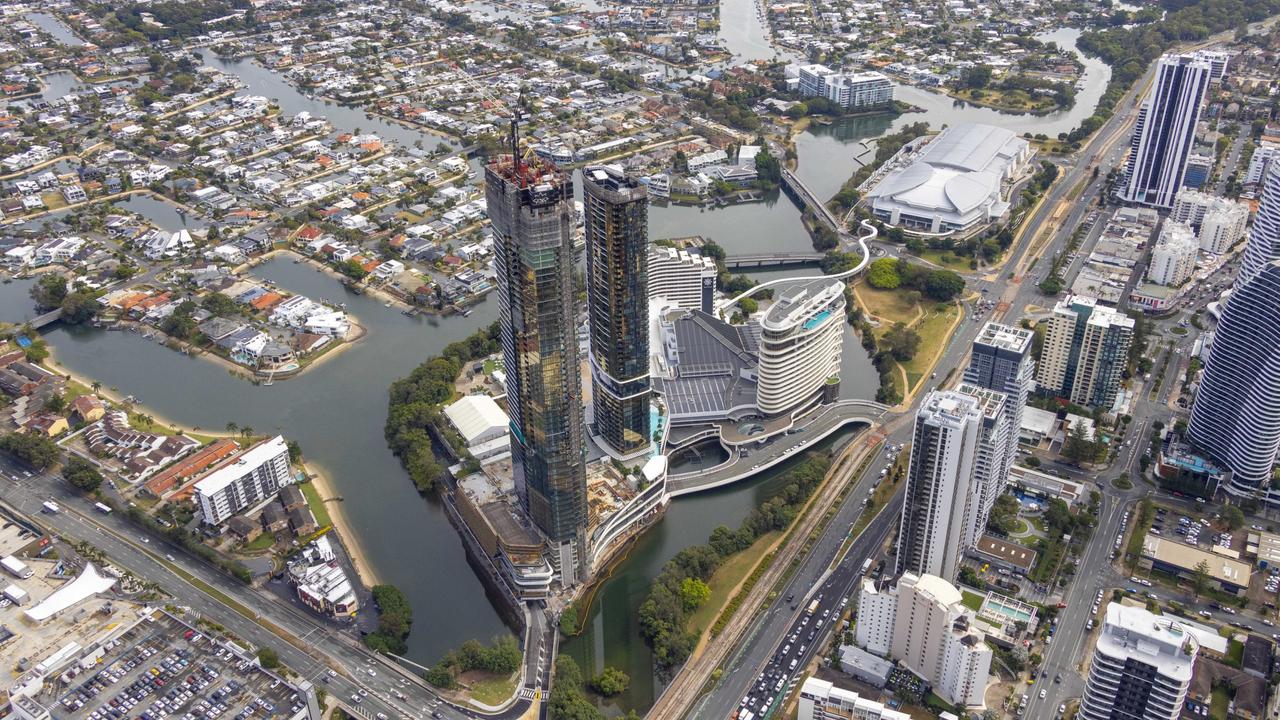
[1043, 693]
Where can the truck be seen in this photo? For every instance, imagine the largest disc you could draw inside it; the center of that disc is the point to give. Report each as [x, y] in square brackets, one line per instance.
[16, 567]
[866, 566]
[51, 507]
[813, 607]
[102, 508]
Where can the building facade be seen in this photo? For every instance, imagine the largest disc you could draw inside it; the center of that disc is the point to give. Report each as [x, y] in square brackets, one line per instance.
[1235, 419]
[1264, 238]
[1001, 360]
[253, 477]
[921, 622]
[956, 444]
[531, 211]
[821, 700]
[1223, 226]
[848, 90]
[1141, 668]
[801, 337]
[1086, 346]
[1165, 131]
[1173, 259]
[684, 278]
[617, 233]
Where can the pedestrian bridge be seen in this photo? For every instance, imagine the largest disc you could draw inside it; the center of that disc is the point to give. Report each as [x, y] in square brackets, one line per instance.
[737, 262]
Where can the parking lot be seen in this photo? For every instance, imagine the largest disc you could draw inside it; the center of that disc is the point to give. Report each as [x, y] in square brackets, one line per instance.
[160, 669]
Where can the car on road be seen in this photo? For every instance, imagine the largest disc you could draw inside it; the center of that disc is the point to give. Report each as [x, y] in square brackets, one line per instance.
[355, 698]
[1043, 693]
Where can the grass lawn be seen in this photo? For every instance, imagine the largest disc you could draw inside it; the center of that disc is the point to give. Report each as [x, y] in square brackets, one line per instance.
[490, 365]
[726, 578]
[1019, 527]
[933, 336]
[889, 306]
[973, 601]
[1235, 653]
[1036, 523]
[260, 543]
[492, 690]
[1219, 701]
[947, 259]
[316, 504]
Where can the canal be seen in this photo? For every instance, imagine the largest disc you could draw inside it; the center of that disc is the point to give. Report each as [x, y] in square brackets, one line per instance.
[56, 28]
[336, 410]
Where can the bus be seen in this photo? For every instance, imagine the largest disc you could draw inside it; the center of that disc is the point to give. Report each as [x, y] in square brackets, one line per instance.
[102, 508]
[866, 565]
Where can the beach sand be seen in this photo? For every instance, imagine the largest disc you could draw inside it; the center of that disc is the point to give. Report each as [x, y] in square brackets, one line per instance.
[350, 540]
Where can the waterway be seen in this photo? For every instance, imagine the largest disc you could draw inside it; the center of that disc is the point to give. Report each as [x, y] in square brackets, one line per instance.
[611, 635]
[261, 81]
[56, 28]
[336, 409]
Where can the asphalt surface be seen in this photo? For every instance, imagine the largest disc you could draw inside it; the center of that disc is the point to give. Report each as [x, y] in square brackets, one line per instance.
[382, 685]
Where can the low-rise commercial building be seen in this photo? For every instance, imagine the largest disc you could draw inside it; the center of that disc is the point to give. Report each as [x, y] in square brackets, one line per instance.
[1226, 574]
[822, 700]
[484, 427]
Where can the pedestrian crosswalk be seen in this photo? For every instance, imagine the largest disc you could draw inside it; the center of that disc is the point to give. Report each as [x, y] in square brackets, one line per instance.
[528, 693]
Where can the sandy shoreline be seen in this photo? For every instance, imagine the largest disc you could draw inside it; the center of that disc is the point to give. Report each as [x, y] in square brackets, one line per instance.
[350, 540]
[51, 363]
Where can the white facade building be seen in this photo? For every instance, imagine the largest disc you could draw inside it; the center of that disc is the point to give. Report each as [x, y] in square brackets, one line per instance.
[683, 278]
[1173, 259]
[484, 427]
[800, 346]
[1258, 163]
[956, 184]
[848, 90]
[921, 622]
[1002, 361]
[957, 448]
[1141, 667]
[1223, 226]
[821, 700]
[255, 476]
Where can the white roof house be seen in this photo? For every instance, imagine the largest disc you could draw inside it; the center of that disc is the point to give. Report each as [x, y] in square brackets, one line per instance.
[479, 421]
[955, 183]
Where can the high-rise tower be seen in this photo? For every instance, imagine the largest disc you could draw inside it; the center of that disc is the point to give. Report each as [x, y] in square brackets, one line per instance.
[957, 443]
[1001, 361]
[1236, 416]
[530, 206]
[1165, 131]
[1141, 669]
[617, 230]
[1264, 239]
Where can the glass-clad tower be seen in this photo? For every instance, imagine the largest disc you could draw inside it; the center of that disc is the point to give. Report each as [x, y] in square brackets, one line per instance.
[617, 232]
[530, 206]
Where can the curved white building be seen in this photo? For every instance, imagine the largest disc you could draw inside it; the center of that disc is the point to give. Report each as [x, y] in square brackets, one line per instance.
[955, 184]
[800, 344]
[1236, 416]
[1264, 239]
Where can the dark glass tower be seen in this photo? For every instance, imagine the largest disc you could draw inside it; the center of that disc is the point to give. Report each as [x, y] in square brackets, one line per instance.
[617, 230]
[530, 206]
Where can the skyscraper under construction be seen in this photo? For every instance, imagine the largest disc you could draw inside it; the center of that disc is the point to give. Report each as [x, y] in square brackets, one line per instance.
[530, 206]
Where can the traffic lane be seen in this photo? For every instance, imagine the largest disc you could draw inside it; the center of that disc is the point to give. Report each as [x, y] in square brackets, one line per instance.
[809, 633]
[778, 622]
[28, 498]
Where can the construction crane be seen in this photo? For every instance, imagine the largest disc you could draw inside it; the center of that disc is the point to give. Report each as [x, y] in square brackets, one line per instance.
[516, 114]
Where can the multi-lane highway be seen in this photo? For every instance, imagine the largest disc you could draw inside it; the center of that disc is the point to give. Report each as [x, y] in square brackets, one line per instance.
[313, 648]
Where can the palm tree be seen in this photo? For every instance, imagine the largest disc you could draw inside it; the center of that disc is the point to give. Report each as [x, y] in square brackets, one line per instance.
[232, 428]
[246, 431]
[146, 420]
[96, 387]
